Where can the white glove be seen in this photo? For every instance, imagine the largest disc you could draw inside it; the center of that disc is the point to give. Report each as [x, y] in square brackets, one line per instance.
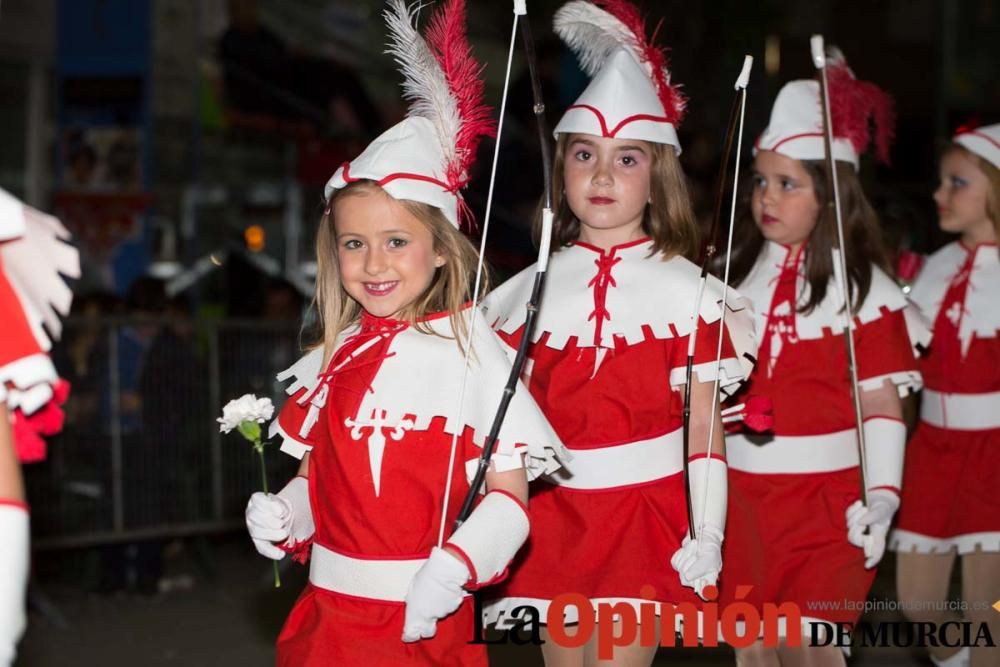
[14, 566]
[490, 537]
[885, 446]
[284, 517]
[699, 561]
[877, 517]
[435, 591]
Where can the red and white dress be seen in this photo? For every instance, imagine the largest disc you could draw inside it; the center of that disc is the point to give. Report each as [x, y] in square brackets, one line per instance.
[606, 368]
[952, 474]
[34, 258]
[379, 422]
[786, 531]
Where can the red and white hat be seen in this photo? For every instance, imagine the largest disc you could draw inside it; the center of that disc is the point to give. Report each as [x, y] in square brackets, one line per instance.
[427, 156]
[630, 95]
[796, 126]
[983, 141]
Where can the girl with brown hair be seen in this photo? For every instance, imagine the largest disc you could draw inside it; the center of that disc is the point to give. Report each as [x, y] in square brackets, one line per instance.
[609, 357]
[798, 530]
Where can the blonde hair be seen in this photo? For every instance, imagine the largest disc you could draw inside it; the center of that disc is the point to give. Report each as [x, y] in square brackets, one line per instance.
[450, 289]
[992, 175]
[668, 219]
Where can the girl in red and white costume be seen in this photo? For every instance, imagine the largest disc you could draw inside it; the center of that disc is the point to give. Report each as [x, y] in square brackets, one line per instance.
[32, 293]
[796, 530]
[610, 348]
[390, 412]
[950, 505]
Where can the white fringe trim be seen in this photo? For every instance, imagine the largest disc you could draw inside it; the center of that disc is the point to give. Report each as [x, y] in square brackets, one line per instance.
[981, 318]
[35, 264]
[906, 382]
[11, 217]
[289, 445]
[884, 296]
[304, 373]
[421, 379]
[905, 541]
[729, 371]
[634, 308]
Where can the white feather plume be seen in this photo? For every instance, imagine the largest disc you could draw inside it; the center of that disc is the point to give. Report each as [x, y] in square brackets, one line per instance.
[424, 84]
[593, 34]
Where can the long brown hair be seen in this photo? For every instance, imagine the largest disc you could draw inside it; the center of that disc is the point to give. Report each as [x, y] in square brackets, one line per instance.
[992, 175]
[861, 236]
[668, 219]
[450, 289]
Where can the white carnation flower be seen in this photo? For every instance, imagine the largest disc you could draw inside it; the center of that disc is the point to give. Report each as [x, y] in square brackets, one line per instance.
[245, 408]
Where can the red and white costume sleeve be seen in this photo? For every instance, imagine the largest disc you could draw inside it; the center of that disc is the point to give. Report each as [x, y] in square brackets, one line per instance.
[34, 258]
[32, 293]
[607, 369]
[786, 530]
[378, 423]
[951, 477]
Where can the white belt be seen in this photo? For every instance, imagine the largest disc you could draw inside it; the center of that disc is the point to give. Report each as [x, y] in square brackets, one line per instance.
[793, 453]
[961, 412]
[622, 465]
[374, 579]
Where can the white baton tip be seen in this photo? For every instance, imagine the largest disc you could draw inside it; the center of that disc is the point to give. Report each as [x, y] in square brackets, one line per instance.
[818, 53]
[520, 7]
[744, 78]
[546, 239]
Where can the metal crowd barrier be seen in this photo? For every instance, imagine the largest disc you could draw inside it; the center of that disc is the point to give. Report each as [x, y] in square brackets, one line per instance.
[140, 454]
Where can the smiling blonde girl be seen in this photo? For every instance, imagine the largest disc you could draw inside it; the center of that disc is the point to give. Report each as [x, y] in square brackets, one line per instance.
[389, 411]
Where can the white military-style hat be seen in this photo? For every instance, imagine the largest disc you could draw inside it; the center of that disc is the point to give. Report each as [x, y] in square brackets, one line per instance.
[796, 125]
[630, 95]
[427, 156]
[983, 141]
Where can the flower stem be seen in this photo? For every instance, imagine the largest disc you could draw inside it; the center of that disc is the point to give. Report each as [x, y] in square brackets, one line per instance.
[263, 470]
[263, 478]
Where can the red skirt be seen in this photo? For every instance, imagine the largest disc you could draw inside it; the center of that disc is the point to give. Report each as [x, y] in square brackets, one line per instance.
[786, 535]
[605, 544]
[325, 628]
[951, 492]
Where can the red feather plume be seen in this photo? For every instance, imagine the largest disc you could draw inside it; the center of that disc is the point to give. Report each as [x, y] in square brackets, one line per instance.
[853, 104]
[447, 40]
[670, 96]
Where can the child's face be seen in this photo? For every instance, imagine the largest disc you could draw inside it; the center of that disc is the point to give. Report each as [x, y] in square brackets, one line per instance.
[607, 186]
[386, 255]
[784, 203]
[961, 198]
